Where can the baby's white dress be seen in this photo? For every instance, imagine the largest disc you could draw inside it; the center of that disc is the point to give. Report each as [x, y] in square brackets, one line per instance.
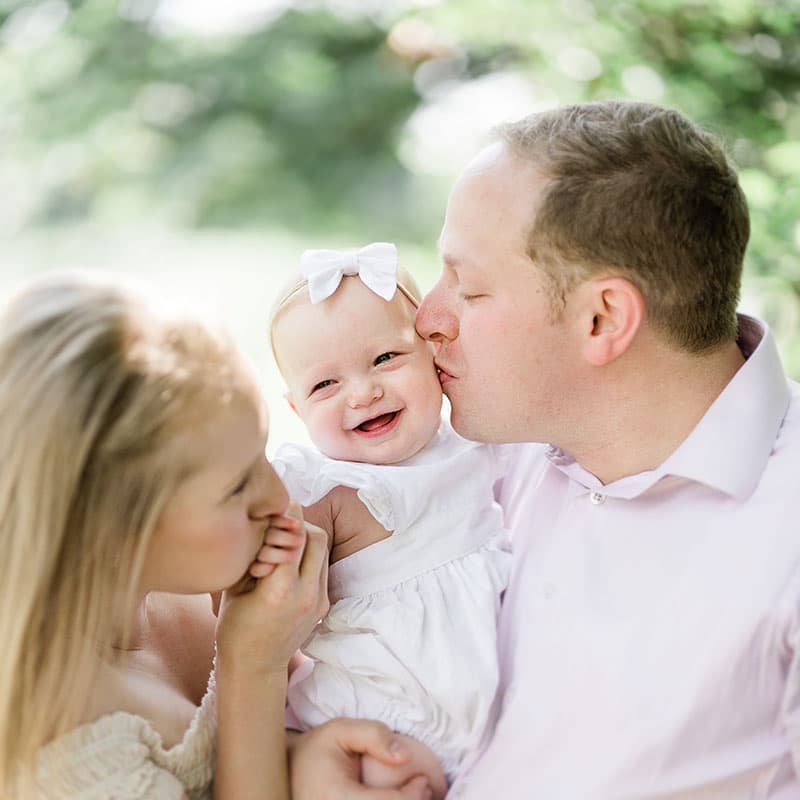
[410, 638]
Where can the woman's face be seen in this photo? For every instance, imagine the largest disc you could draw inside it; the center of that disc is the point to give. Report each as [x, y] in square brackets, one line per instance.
[214, 524]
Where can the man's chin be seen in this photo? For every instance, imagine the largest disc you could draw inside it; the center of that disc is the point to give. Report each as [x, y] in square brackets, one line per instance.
[478, 427]
[467, 426]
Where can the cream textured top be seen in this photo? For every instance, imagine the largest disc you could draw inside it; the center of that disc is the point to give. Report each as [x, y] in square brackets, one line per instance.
[120, 757]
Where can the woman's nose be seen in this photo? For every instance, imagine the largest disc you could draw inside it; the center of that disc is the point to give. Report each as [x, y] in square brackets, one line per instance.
[272, 497]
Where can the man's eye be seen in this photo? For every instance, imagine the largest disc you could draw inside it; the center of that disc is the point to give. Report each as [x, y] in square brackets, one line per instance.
[468, 297]
[241, 486]
[384, 357]
[322, 385]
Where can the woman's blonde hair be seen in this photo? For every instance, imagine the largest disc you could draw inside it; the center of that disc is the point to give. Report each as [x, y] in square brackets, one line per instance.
[95, 389]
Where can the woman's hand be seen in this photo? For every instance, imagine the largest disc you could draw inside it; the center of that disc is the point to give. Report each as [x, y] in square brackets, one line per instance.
[261, 623]
[266, 616]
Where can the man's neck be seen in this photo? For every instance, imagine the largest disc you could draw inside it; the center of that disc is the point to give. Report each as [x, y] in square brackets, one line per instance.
[645, 410]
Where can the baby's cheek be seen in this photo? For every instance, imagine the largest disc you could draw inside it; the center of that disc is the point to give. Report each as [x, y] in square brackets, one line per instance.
[325, 432]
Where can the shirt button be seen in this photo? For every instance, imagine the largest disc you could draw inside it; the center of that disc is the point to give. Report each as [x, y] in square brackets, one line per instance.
[550, 591]
[597, 498]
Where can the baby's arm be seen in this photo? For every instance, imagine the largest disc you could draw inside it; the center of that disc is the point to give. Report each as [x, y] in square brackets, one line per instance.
[352, 525]
[422, 761]
[342, 515]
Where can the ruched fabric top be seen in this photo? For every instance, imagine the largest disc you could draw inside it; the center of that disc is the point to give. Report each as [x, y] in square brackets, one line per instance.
[120, 756]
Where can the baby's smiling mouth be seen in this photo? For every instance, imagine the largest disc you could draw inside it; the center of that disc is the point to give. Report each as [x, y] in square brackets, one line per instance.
[378, 424]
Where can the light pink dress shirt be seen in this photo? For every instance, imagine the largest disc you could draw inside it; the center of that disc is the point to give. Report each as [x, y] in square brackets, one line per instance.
[649, 641]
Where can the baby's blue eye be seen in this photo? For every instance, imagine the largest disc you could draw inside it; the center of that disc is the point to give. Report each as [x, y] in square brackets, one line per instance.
[322, 385]
[384, 357]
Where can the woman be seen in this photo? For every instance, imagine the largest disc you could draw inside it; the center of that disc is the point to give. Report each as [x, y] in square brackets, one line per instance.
[134, 483]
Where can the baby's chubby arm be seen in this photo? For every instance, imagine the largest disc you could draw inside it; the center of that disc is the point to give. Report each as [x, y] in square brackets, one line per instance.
[350, 524]
[344, 518]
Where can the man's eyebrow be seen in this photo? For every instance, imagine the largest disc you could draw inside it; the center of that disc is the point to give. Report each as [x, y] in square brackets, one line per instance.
[450, 261]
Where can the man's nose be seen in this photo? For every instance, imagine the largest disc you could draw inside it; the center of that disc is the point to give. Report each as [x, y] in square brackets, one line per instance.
[435, 320]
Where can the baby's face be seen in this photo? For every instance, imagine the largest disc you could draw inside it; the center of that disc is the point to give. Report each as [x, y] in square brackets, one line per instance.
[359, 376]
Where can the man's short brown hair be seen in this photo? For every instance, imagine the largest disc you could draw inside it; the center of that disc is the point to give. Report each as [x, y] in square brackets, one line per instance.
[639, 191]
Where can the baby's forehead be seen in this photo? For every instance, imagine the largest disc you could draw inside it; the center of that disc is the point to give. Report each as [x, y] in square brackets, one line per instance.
[353, 302]
[302, 330]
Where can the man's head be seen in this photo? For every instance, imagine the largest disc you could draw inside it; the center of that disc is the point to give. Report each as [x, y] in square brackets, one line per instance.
[579, 228]
[639, 191]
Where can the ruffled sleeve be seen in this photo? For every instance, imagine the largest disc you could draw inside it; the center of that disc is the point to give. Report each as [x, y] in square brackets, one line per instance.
[309, 475]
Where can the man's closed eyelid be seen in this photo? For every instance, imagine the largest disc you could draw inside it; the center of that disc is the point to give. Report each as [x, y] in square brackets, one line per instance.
[241, 486]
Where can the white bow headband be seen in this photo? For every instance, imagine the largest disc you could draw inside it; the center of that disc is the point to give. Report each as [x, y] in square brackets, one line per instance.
[375, 265]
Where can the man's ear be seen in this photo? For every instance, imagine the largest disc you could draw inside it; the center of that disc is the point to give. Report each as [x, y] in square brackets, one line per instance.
[288, 397]
[612, 315]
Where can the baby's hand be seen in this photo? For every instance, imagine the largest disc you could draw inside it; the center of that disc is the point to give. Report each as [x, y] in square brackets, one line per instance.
[283, 543]
[422, 761]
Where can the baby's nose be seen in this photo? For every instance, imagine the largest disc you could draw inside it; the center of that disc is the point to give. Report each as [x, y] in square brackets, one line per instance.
[365, 393]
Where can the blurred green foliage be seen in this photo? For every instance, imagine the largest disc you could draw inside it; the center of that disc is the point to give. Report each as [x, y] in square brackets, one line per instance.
[300, 121]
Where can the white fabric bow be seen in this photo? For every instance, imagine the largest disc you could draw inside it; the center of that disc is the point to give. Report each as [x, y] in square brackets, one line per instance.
[375, 265]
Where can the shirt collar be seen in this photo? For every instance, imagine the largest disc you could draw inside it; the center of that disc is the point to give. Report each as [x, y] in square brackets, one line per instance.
[728, 449]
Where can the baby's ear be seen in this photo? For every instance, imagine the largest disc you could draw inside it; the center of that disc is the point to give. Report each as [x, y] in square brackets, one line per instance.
[288, 396]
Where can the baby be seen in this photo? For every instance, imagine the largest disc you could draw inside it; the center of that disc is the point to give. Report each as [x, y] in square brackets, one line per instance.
[419, 558]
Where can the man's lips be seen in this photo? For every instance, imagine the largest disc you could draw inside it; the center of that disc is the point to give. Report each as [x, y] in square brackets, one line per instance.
[378, 425]
[444, 375]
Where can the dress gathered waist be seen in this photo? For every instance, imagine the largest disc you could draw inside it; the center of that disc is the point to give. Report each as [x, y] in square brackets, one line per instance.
[396, 559]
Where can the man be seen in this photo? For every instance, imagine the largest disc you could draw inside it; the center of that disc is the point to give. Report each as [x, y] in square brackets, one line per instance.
[650, 637]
